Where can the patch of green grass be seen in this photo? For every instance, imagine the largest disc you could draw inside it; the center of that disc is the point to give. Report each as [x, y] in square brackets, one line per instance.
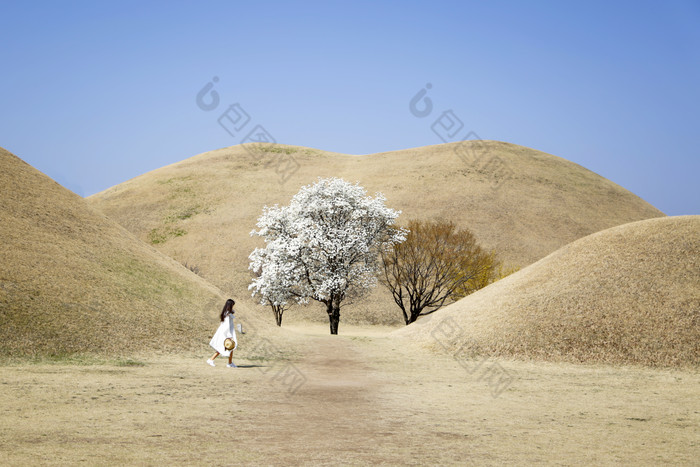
[163, 234]
[129, 362]
[180, 186]
[75, 359]
[280, 150]
[71, 359]
[183, 214]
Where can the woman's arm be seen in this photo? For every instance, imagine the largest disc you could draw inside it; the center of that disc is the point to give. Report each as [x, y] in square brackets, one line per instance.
[231, 330]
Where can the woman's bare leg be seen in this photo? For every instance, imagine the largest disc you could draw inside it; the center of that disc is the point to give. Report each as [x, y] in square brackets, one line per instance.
[216, 354]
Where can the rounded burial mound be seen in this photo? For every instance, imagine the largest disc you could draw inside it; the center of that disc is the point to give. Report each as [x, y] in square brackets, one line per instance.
[521, 202]
[72, 280]
[629, 294]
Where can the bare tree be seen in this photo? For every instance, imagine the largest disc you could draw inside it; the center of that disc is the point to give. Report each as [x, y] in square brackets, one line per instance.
[436, 264]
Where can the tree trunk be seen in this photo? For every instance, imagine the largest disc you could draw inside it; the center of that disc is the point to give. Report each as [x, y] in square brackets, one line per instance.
[277, 310]
[406, 318]
[278, 318]
[333, 316]
[414, 316]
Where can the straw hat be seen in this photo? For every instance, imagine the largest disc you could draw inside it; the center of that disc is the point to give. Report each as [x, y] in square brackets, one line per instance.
[229, 344]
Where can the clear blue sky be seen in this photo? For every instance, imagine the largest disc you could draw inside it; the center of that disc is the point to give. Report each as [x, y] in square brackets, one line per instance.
[93, 93]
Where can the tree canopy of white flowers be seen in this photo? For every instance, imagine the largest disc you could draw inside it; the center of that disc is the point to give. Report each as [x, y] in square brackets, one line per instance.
[324, 246]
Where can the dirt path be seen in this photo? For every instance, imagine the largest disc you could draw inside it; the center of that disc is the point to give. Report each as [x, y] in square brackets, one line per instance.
[326, 407]
[345, 400]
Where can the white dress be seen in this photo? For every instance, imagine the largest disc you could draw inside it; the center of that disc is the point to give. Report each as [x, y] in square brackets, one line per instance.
[225, 330]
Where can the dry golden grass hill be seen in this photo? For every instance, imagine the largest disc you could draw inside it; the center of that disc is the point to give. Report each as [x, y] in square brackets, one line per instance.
[522, 202]
[629, 294]
[74, 281]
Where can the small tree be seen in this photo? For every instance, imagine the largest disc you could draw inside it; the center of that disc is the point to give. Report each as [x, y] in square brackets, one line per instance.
[435, 264]
[324, 246]
[278, 310]
[274, 296]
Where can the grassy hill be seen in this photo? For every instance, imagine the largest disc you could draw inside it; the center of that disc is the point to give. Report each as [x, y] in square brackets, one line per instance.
[629, 294]
[522, 202]
[74, 281]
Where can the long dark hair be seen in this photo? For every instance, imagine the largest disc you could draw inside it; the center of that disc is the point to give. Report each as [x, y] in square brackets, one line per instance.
[228, 309]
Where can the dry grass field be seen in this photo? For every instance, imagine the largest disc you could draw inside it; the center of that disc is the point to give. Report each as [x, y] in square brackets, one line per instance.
[358, 399]
[629, 294]
[521, 202]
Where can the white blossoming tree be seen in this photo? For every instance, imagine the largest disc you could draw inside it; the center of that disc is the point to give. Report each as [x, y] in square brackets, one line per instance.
[324, 246]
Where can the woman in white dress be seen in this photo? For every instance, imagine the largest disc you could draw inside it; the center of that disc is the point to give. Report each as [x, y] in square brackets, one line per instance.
[225, 331]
